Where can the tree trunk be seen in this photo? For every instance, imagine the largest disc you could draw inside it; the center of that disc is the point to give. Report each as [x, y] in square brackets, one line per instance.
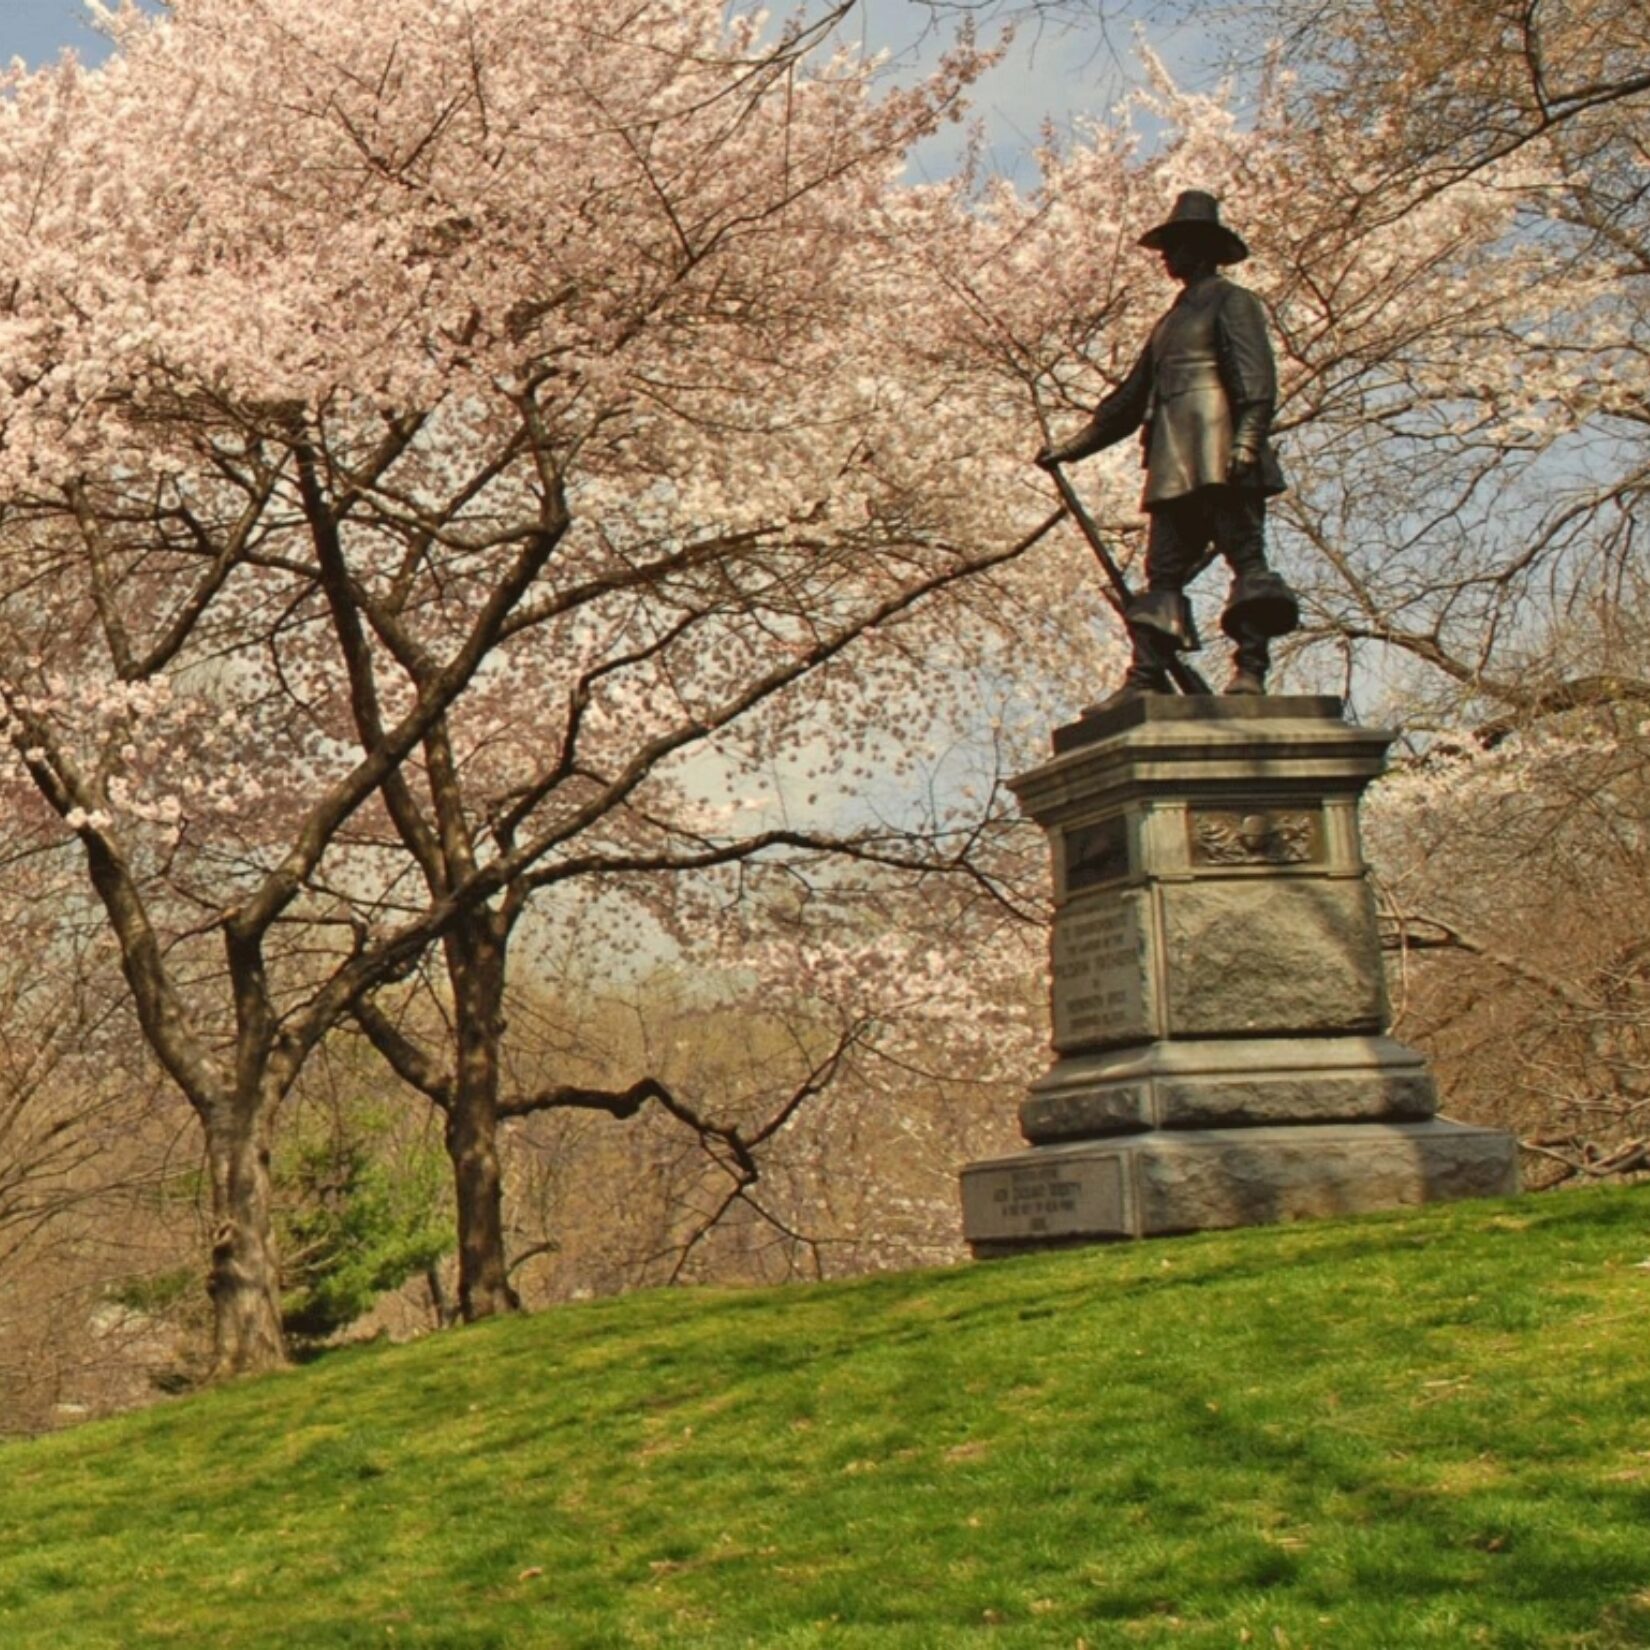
[245, 1279]
[475, 962]
[483, 1282]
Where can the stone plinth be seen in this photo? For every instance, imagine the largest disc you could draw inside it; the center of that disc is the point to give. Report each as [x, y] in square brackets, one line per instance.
[1219, 1007]
[1167, 1181]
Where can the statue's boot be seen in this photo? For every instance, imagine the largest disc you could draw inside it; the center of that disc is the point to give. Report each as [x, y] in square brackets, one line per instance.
[1261, 606]
[1148, 673]
[1136, 685]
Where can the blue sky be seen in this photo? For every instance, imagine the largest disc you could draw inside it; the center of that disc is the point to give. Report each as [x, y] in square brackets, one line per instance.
[37, 30]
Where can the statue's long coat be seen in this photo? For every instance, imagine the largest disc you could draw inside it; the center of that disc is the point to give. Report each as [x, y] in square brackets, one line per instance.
[1204, 380]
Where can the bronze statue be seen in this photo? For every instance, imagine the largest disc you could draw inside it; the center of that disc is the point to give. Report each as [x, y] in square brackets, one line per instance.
[1202, 395]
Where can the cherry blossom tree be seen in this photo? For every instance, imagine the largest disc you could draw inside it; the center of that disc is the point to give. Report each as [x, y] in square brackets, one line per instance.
[423, 429]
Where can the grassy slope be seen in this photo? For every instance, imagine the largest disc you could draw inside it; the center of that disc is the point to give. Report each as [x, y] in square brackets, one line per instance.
[1425, 1429]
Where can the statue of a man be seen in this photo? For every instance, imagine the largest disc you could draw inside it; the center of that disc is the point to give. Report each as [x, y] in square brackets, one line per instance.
[1202, 395]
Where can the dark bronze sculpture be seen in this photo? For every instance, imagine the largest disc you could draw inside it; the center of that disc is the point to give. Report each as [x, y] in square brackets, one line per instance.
[1202, 395]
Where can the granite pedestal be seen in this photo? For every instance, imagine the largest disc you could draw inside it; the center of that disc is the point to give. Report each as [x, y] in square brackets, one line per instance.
[1219, 1006]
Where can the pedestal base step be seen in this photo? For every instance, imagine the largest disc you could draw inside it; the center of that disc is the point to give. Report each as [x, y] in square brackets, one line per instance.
[1153, 1184]
[1226, 1083]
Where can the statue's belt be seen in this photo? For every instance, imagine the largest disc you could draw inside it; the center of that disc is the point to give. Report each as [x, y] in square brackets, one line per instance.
[1179, 375]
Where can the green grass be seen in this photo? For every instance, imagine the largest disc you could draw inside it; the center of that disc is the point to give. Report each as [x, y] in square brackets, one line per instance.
[1421, 1429]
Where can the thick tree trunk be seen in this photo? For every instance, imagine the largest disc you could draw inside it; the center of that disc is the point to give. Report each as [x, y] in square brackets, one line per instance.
[483, 1282]
[475, 961]
[245, 1279]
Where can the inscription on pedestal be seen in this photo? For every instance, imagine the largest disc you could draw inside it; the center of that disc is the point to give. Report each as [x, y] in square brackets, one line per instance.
[1062, 1197]
[1102, 973]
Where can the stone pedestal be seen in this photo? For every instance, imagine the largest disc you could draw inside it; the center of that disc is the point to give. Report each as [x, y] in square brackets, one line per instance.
[1219, 1006]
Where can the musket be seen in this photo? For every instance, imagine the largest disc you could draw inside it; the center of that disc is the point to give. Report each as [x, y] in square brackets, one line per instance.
[1116, 590]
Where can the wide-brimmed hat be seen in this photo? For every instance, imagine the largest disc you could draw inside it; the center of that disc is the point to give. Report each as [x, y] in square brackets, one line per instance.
[1197, 214]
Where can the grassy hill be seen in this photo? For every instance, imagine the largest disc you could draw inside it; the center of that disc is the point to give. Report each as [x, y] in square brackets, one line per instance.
[1423, 1429]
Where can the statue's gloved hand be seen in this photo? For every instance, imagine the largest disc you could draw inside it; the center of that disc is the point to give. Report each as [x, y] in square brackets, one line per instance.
[1090, 439]
[1250, 425]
